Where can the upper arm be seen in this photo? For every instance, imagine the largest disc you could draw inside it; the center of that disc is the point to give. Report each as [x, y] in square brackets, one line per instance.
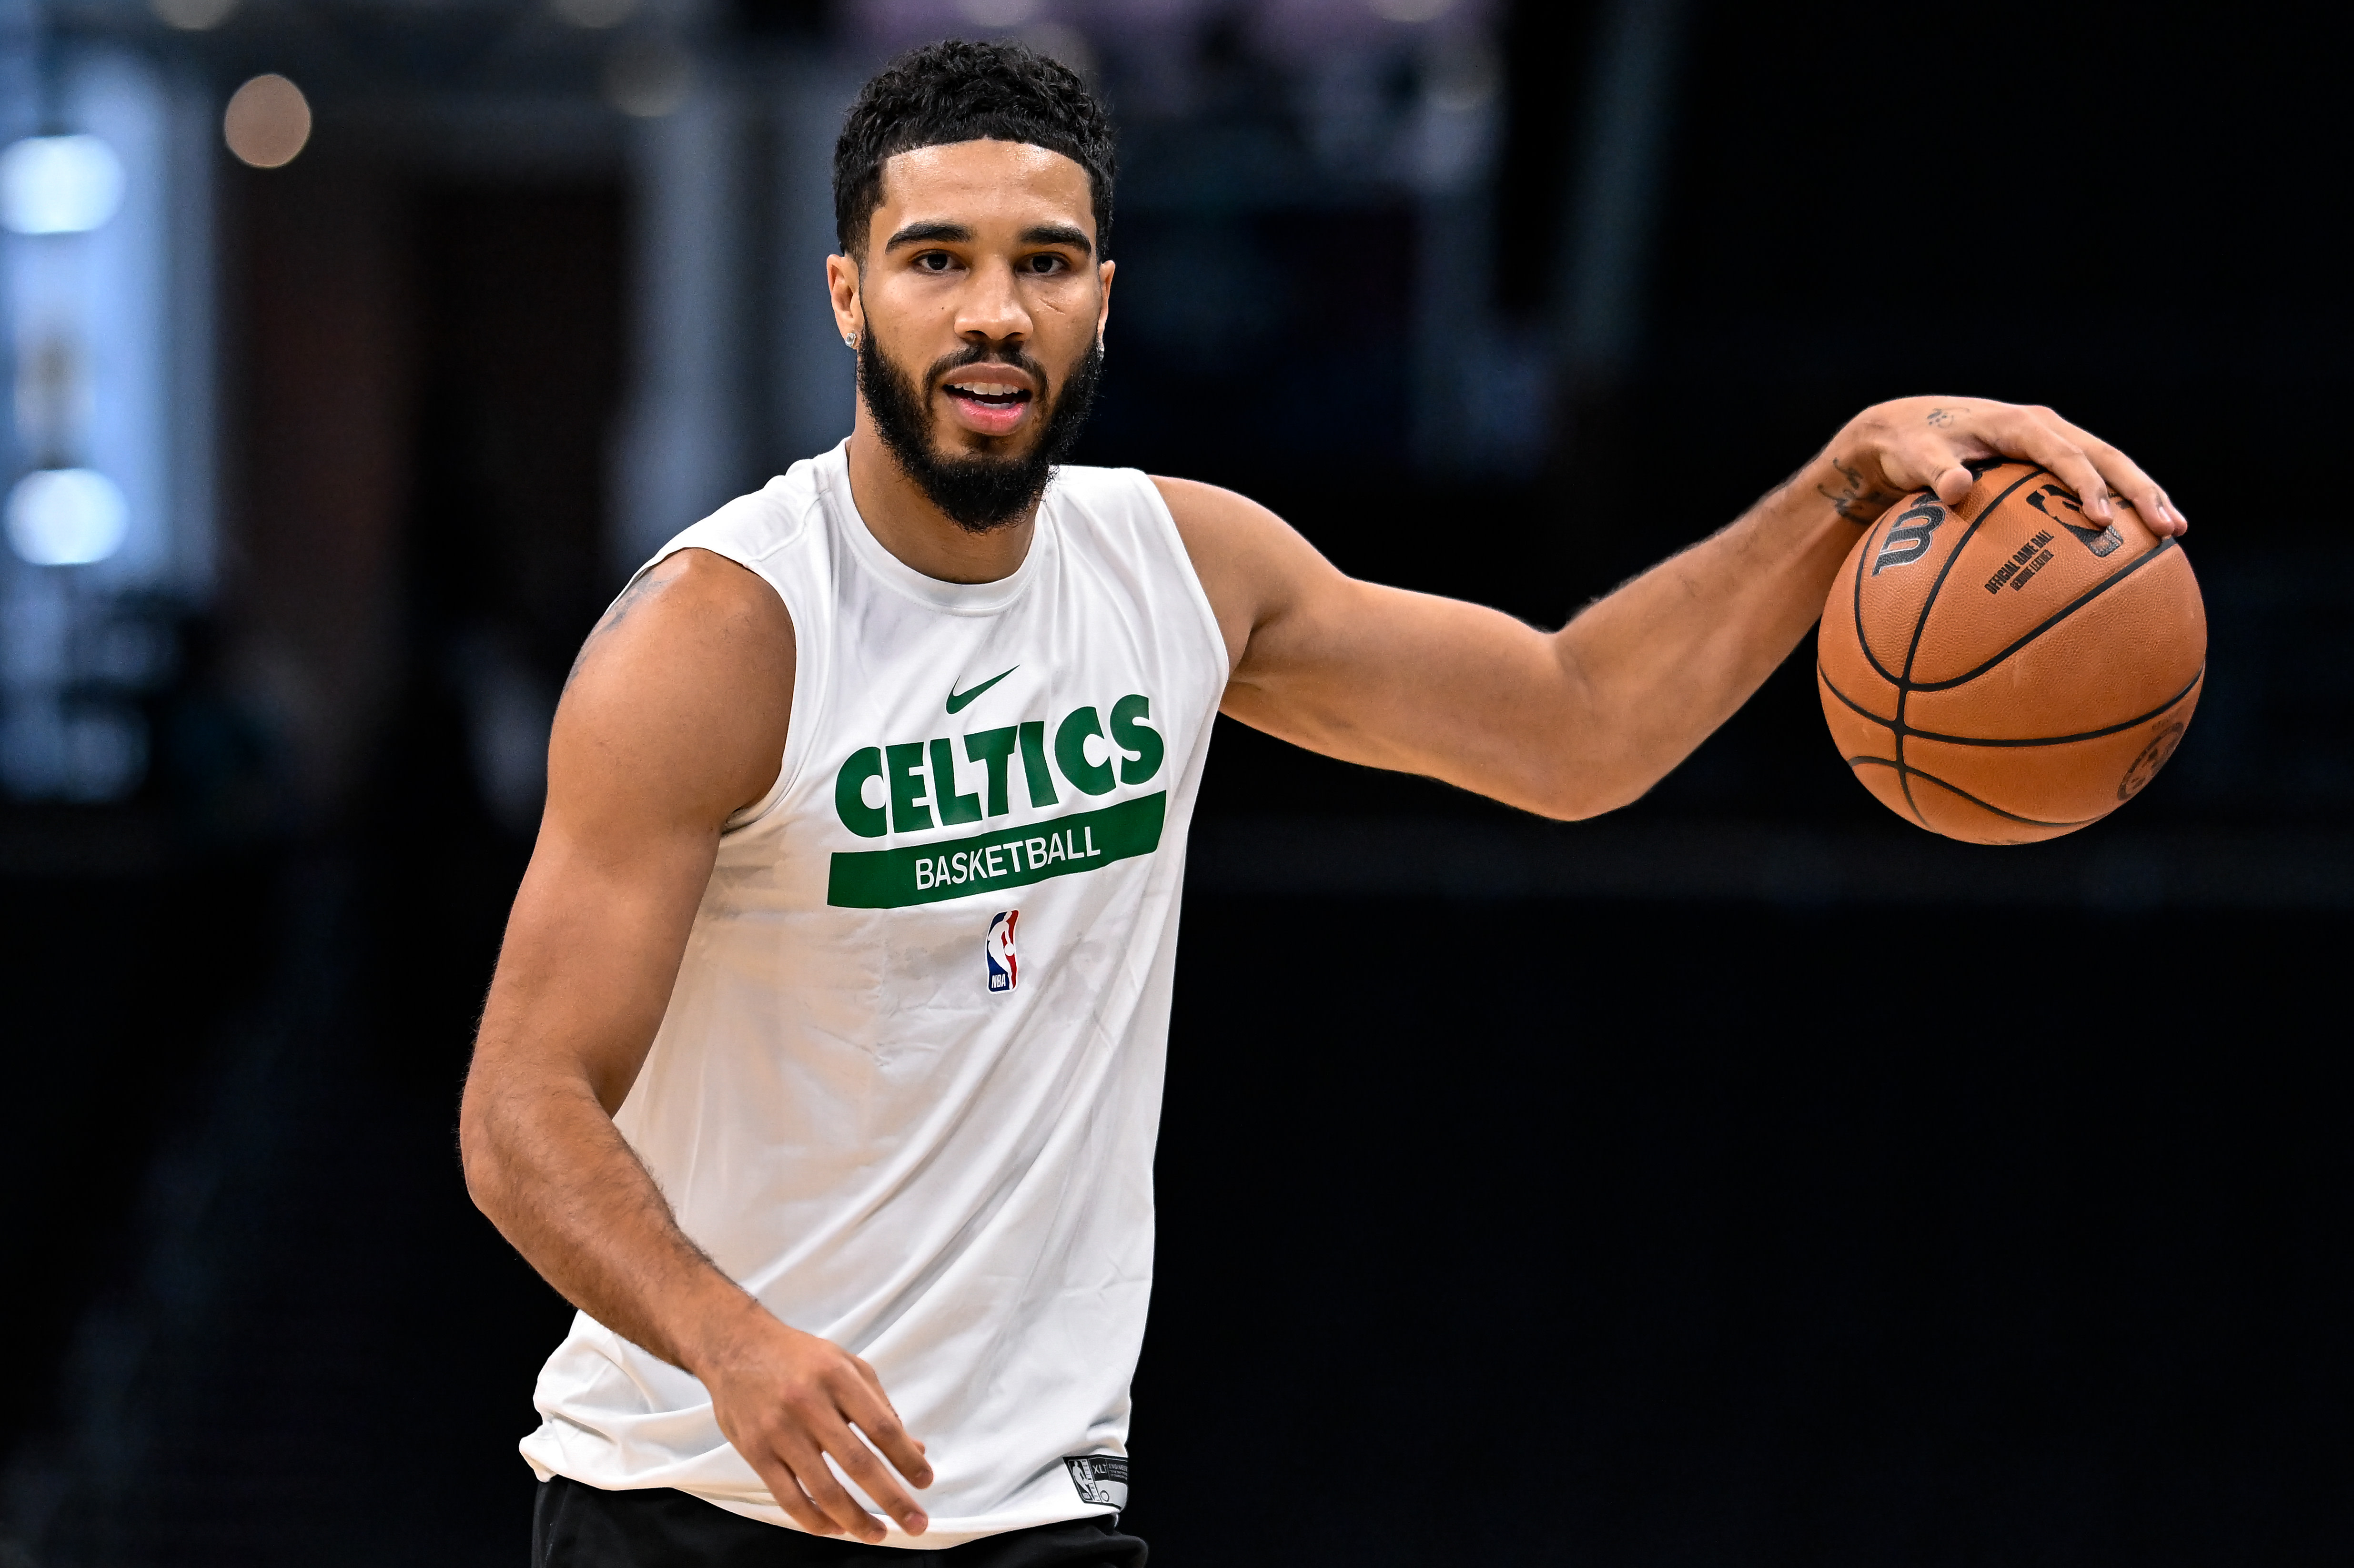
[1252, 564]
[1364, 673]
[674, 720]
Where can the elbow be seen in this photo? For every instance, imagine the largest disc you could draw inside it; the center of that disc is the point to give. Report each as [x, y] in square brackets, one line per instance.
[1575, 806]
[1573, 794]
[477, 1151]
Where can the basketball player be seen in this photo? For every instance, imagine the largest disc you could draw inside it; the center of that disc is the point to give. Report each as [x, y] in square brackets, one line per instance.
[822, 1064]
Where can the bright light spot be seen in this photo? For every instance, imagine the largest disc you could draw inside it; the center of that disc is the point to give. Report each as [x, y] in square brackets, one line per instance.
[1412, 10]
[192, 16]
[67, 517]
[997, 13]
[268, 122]
[59, 184]
[648, 77]
[594, 13]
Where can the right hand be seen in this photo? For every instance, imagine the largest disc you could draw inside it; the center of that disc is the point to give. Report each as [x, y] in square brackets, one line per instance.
[788, 1400]
[1915, 443]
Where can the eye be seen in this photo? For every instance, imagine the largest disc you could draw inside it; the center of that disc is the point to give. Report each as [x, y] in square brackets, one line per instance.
[1046, 263]
[934, 261]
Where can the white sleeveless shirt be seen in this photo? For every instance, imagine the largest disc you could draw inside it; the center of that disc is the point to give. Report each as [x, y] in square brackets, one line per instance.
[908, 1083]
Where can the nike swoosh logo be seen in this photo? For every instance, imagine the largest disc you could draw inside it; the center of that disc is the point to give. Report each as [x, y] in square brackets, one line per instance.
[957, 699]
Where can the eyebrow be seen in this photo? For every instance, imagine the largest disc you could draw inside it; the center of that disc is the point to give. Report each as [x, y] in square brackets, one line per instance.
[958, 234]
[919, 233]
[1058, 234]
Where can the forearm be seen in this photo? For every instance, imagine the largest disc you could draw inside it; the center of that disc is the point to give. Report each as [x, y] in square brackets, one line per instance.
[583, 981]
[676, 716]
[546, 1163]
[1577, 721]
[1653, 668]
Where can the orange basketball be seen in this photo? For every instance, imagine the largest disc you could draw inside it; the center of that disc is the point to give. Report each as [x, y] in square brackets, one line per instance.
[2007, 670]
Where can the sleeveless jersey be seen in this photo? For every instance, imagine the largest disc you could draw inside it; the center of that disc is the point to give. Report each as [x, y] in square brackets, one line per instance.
[908, 1083]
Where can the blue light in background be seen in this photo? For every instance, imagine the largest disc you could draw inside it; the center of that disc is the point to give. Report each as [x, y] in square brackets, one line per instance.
[59, 184]
[67, 517]
[105, 468]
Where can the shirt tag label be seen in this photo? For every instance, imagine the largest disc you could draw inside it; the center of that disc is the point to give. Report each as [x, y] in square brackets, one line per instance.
[1102, 1478]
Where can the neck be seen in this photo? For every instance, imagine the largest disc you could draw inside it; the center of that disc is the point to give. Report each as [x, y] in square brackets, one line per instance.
[904, 522]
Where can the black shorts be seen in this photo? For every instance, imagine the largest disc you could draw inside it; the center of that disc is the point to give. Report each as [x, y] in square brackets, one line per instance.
[577, 1526]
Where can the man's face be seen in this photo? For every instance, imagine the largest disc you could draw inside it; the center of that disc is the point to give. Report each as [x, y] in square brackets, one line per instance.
[979, 309]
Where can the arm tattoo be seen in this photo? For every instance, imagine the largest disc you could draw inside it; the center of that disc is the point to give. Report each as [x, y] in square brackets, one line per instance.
[1941, 417]
[648, 584]
[1855, 500]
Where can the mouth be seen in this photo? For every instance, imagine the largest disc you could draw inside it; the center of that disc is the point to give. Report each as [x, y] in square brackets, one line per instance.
[989, 401]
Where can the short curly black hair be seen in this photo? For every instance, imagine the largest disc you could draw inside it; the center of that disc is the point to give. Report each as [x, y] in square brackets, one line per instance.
[958, 91]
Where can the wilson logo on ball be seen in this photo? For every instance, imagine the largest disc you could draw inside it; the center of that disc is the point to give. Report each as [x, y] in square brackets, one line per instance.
[2030, 709]
[1909, 540]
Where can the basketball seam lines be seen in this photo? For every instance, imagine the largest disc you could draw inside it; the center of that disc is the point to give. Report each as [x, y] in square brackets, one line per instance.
[2087, 596]
[1873, 658]
[1882, 670]
[1920, 624]
[1973, 799]
[1899, 726]
[1905, 687]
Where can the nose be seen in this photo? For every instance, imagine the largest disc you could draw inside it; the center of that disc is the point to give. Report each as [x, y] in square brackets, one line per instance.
[992, 310]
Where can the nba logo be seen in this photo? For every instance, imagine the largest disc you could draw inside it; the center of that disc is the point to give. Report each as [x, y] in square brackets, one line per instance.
[1003, 971]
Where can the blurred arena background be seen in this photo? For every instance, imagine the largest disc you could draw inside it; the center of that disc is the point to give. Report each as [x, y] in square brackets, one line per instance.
[1744, 1179]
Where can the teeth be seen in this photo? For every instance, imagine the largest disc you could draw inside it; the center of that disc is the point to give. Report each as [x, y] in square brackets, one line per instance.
[986, 388]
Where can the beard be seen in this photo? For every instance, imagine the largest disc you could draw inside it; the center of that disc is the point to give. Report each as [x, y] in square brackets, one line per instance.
[978, 491]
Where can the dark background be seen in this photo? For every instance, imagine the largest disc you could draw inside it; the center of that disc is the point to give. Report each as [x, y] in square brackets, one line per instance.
[1735, 1217]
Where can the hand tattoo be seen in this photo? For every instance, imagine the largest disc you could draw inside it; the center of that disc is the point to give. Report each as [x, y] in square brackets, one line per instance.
[1855, 500]
[1941, 417]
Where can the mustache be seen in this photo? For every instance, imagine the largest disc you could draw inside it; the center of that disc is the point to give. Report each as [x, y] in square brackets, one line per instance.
[977, 492]
[1012, 354]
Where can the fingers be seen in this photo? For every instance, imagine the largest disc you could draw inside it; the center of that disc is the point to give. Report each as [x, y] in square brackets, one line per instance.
[2126, 478]
[859, 1462]
[1953, 484]
[870, 1409]
[1932, 441]
[784, 1485]
[2098, 472]
[2044, 437]
[799, 1433]
[817, 1425]
[865, 1404]
[799, 1408]
[833, 1499]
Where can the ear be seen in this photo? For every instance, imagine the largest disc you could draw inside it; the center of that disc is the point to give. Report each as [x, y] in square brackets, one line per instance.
[842, 284]
[1103, 296]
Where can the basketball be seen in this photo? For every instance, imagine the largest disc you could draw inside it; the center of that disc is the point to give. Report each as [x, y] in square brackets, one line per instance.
[2008, 669]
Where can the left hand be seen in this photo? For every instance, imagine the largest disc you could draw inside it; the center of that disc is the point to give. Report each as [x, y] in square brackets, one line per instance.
[1914, 443]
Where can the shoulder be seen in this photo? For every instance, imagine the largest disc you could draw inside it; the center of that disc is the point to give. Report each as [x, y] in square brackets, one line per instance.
[1215, 510]
[692, 584]
[689, 676]
[1233, 536]
[698, 607]
[1251, 563]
